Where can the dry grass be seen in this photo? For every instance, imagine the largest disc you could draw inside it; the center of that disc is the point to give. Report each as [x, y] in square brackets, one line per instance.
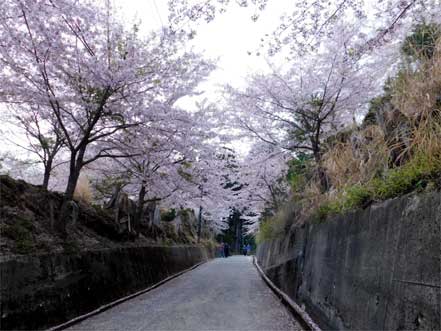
[366, 154]
[417, 93]
[360, 167]
[357, 160]
[83, 191]
[278, 224]
[418, 96]
[312, 197]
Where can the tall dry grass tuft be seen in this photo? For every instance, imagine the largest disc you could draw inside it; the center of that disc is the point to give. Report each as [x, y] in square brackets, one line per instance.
[83, 191]
[278, 224]
[427, 136]
[357, 160]
[368, 152]
[312, 197]
[418, 90]
[376, 162]
[418, 96]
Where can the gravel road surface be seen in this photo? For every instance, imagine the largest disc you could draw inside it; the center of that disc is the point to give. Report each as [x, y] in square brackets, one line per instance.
[223, 294]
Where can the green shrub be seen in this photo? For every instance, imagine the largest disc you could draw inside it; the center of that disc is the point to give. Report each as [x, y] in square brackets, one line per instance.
[265, 233]
[327, 209]
[168, 242]
[357, 196]
[20, 232]
[24, 246]
[422, 42]
[299, 172]
[276, 225]
[414, 175]
[70, 247]
[168, 215]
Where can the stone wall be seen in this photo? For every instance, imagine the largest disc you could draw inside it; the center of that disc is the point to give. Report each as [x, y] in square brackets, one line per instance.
[372, 269]
[45, 290]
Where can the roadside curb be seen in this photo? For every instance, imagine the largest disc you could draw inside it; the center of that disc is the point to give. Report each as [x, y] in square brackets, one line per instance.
[298, 311]
[121, 300]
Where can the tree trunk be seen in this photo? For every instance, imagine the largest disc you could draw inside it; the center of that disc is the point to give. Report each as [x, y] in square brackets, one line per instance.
[76, 163]
[200, 223]
[64, 215]
[323, 179]
[71, 184]
[46, 176]
[47, 171]
[238, 238]
[321, 172]
[139, 207]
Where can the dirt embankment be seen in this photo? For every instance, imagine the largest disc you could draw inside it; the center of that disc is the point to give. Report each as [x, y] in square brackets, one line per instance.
[28, 214]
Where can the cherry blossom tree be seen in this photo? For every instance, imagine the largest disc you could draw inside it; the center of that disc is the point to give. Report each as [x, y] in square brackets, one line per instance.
[173, 161]
[219, 184]
[44, 139]
[310, 21]
[264, 170]
[96, 78]
[298, 109]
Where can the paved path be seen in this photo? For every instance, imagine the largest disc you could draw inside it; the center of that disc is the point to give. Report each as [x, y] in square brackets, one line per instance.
[223, 294]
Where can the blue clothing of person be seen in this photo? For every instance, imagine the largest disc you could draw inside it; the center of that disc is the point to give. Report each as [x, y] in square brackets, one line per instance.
[222, 250]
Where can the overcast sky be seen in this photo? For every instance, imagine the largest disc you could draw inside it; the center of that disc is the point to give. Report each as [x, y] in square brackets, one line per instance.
[228, 38]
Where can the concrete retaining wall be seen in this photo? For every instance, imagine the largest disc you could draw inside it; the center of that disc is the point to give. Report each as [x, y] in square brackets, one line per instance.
[42, 291]
[372, 269]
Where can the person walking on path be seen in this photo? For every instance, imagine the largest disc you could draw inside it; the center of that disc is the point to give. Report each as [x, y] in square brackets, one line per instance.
[222, 249]
[226, 250]
[248, 249]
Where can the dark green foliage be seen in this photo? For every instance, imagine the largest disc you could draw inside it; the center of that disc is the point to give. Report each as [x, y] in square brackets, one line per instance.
[251, 240]
[422, 42]
[325, 210]
[316, 101]
[266, 231]
[378, 104]
[297, 135]
[25, 246]
[169, 215]
[278, 224]
[354, 197]
[235, 235]
[70, 247]
[375, 106]
[106, 186]
[20, 229]
[21, 232]
[185, 212]
[299, 171]
[414, 175]
[230, 235]
[357, 196]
